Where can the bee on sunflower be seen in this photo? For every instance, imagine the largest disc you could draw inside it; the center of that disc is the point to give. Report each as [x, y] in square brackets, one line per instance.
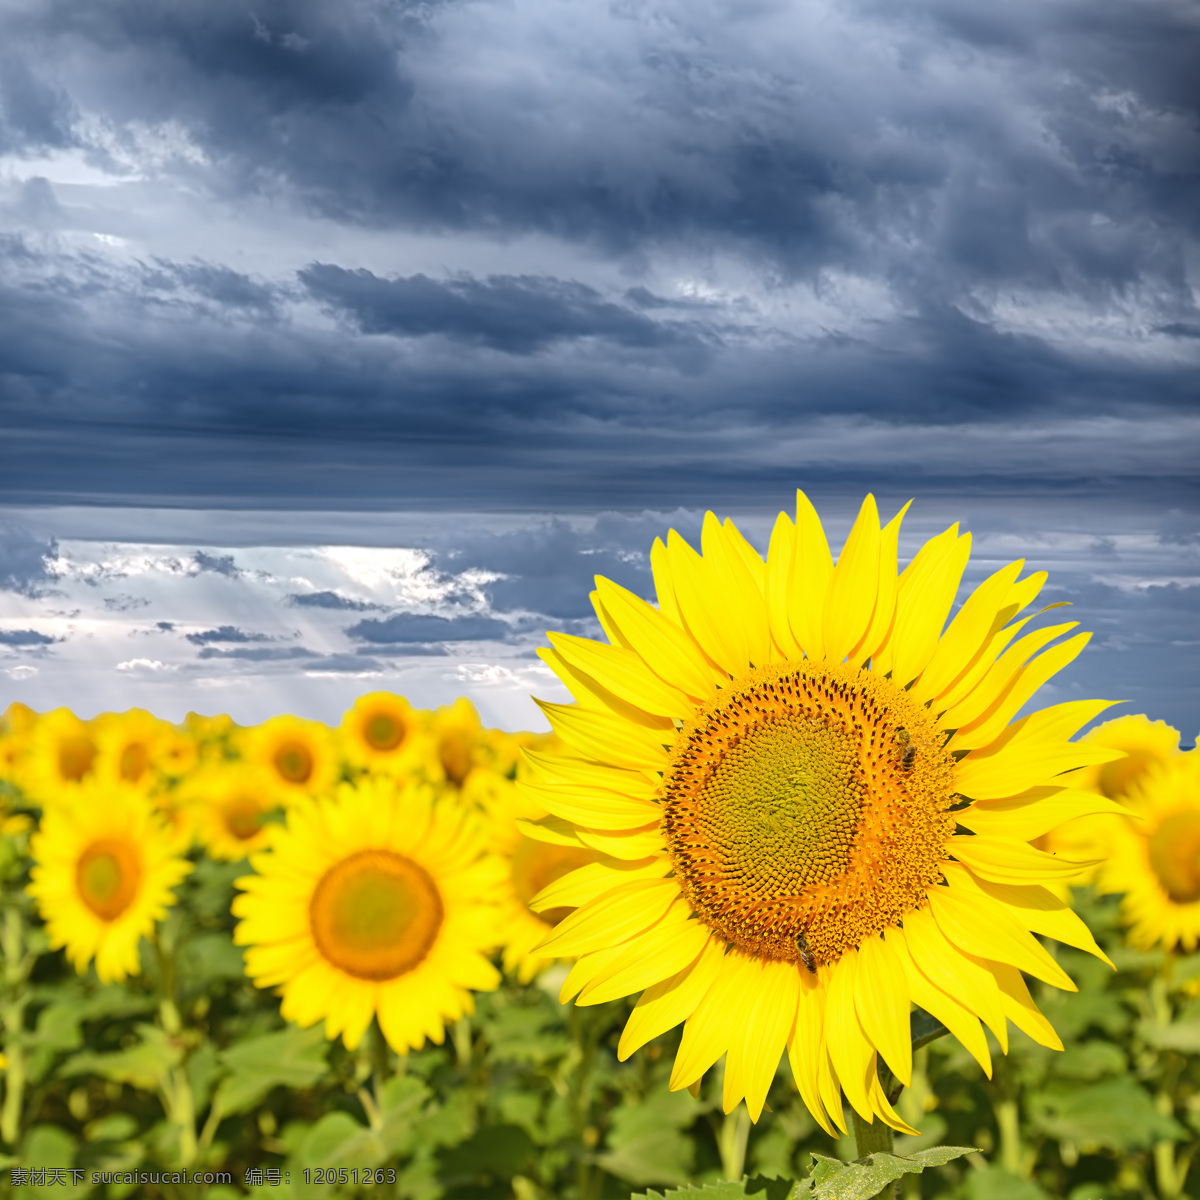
[827, 803]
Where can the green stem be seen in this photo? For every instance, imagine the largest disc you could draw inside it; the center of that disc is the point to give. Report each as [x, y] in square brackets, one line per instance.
[875, 1137]
[1008, 1122]
[380, 1062]
[585, 1031]
[16, 968]
[177, 1090]
[1166, 1170]
[734, 1135]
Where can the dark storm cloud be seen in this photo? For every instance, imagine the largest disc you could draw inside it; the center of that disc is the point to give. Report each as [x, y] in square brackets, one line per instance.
[402, 650]
[516, 314]
[329, 600]
[24, 560]
[225, 633]
[550, 568]
[416, 627]
[24, 637]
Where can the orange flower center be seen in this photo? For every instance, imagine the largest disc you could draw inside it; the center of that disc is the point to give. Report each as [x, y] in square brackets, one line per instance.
[135, 758]
[376, 914]
[454, 749]
[107, 876]
[75, 756]
[294, 762]
[806, 809]
[242, 817]
[383, 731]
[1174, 850]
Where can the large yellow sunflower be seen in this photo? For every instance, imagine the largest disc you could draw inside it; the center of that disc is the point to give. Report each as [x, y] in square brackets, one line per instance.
[129, 748]
[103, 873]
[300, 755]
[1155, 861]
[377, 903]
[834, 799]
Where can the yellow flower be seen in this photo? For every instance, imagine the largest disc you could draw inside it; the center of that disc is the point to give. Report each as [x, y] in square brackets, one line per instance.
[829, 802]
[129, 748]
[1155, 861]
[531, 865]
[376, 903]
[103, 873]
[228, 808]
[381, 732]
[1146, 743]
[62, 752]
[301, 756]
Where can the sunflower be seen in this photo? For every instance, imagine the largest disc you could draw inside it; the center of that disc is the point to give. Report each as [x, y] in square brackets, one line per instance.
[379, 902]
[228, 807]
[531, 864]
[301, 756]
[61, 754]
[103, 873]
[382, 732]
[1155, 861]
[833, 798]
[129, 747]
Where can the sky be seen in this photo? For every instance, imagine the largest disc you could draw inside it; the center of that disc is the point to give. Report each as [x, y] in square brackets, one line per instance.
[342, 344]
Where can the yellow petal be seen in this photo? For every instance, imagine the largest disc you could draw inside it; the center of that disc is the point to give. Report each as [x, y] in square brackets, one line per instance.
[812, 566]
[661, 644]
[624, 674]
[591, 881]
[606, 737]
[701, 591]
[882, 1003]
[707, 1032]
[806, 1048]
[853, 587]
[612, 919]
[1037, 909]
[939, 1004]
[779, 574]
[1021, 1010]
[1035, 812]
[849, 1050]
[665, 1004]
[1013, 862]
[626, 844]
[586, 968]
[981, 926]
[928, 598]
[883, 1109]
[664, 585]
[657, 954]
[955, 972]
[883, 618]
[592, 807]
[1020, 764]
[749, 556]
[975, 623]
[738, 592]
[755, 1055]
[559, 772]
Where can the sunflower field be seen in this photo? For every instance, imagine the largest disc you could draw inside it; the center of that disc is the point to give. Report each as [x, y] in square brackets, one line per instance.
[792, 902]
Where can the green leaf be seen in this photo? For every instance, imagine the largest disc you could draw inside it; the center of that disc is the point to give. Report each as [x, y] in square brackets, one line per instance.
[998, 1184]
[293, 1058]
[1182, 1035]
[207, 959]
[757, 1188]
[493, 1152]
[645, 1143]
[866, 1177]
[144, 1066]
[1116, 1114]
[50, 1146]
[116, 1127]
[1089, 1060]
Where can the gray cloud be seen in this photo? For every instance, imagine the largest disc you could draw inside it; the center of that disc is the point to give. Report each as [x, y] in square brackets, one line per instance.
[225, 633]
[216, 564]
[417, 627]
[24, 560]
[259, 654]
[24, 637]
[331, 600]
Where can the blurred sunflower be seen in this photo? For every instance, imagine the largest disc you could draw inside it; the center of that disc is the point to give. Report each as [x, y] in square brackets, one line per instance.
[532, 864]
[379, 902]
[1155, 861]
[381, 732]
[835, 804]
[228, 807]
[102, 876]
[61, 754]
[300, 755]
[129, 748]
